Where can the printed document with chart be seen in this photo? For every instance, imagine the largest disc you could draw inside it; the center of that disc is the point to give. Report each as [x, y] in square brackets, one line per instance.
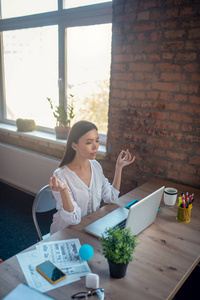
[64, 254]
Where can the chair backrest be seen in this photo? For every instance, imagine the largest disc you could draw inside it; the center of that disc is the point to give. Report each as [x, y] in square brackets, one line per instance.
[43, 202]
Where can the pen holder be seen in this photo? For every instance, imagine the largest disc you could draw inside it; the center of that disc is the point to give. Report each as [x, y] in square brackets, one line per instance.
[183, 214]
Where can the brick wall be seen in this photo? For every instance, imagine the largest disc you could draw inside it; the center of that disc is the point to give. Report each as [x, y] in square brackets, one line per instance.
[155, 90]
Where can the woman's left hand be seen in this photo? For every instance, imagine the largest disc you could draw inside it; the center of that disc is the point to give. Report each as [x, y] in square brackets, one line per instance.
[124, 159]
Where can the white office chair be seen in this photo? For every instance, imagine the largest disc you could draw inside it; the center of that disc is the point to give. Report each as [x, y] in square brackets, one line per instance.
[43, 202]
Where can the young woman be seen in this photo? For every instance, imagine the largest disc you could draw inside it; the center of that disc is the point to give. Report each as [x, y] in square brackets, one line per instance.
[79, 184]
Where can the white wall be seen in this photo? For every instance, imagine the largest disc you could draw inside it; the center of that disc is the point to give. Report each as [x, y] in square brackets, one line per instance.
[25, 169]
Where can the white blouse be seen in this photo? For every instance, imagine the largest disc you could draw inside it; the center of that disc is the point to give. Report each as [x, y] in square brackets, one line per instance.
[85, 199]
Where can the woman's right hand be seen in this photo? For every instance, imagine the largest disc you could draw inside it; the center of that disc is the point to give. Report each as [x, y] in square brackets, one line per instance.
[56, 185]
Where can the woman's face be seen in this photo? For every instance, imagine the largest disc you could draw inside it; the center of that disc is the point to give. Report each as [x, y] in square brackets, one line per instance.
[87, 145]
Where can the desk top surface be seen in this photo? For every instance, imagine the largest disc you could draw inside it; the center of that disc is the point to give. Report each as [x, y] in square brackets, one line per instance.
[167, 253]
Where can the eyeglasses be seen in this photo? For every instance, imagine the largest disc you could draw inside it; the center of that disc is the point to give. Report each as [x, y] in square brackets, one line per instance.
[99, 292]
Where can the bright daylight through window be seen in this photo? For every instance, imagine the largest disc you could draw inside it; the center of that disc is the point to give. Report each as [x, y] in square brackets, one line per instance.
[31, 60]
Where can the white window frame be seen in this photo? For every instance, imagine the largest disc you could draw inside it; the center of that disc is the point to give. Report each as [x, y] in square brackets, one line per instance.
[81, 16]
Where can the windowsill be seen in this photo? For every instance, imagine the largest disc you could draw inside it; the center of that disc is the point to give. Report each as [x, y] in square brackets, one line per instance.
[44, 136]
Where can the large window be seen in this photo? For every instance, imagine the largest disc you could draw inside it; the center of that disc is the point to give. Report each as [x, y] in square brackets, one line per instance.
[31, 72]
[53, 52]
[17, 8]
[88, 71]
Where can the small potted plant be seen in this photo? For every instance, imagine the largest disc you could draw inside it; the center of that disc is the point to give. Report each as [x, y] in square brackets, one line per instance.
[25, 125]
[63, 117]
[118, 247]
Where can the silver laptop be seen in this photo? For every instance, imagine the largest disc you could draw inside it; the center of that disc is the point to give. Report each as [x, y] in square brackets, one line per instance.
[138, 217]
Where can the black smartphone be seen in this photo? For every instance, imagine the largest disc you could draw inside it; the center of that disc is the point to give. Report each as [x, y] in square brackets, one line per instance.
[50, 272]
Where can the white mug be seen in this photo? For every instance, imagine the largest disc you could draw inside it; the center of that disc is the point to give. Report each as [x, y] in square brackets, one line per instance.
[170, 195]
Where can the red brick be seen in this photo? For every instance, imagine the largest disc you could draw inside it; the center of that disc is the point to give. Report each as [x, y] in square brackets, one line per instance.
[158, 170]
[118, 58]
[165, 66]
[139, 95]
[192, 139]
[173, 76]
[159, 105]
[172, 13]
[154, 57]
[180, 98]
[141, 36]
[190, 56]
[139, 86]
[166, 125]
[143, 16]
[172, 46]
[114, 110]
[195, 160]
[143, 5]
[141, 103]
[118, 93]
[187, 10]
[173, 106]
[146, 169]
[155, 14]
[160, 143]
[190, 109]
[197, 121]
[190, 67]
[119, 67]
[170, 24]
[189, 179]
[146, 76]
[168, 55]
[187, 127]
[114, 101]
[142, 67]
[146, 26]
[121, 84]
[189, 88]
[194, 33]
[176, 156]
[172, 175]
[152, 95]
[195, 77]
[174, 34]
[194, 99]
[184, 168]
[156, 115]
[159, 152]
[165, 86]
[180, 118]
[122, 76]
[178, 136]
[186, 147]
[156, 36]
[166, 96]
[192, 45]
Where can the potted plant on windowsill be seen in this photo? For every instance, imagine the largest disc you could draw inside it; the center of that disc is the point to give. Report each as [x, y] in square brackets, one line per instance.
[118, 247]
[63, 117]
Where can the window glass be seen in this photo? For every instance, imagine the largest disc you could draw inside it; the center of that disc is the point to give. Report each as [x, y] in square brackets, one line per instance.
[88, 72]
[18, 8]
[31, 73]
[77, 3]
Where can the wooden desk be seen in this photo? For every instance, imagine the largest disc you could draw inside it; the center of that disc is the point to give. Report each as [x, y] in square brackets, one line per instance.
[167, 253]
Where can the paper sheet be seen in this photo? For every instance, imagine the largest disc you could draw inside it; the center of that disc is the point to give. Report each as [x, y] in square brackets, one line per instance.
[64, 254]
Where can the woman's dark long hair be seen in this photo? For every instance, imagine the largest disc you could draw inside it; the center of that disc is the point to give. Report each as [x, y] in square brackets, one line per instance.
[77, 131]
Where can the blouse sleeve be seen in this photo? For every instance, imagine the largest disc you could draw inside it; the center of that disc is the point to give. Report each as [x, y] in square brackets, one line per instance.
[108, 193]
[70, 218]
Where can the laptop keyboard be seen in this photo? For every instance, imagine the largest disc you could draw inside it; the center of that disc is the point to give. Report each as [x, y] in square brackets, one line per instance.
[121, 225]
